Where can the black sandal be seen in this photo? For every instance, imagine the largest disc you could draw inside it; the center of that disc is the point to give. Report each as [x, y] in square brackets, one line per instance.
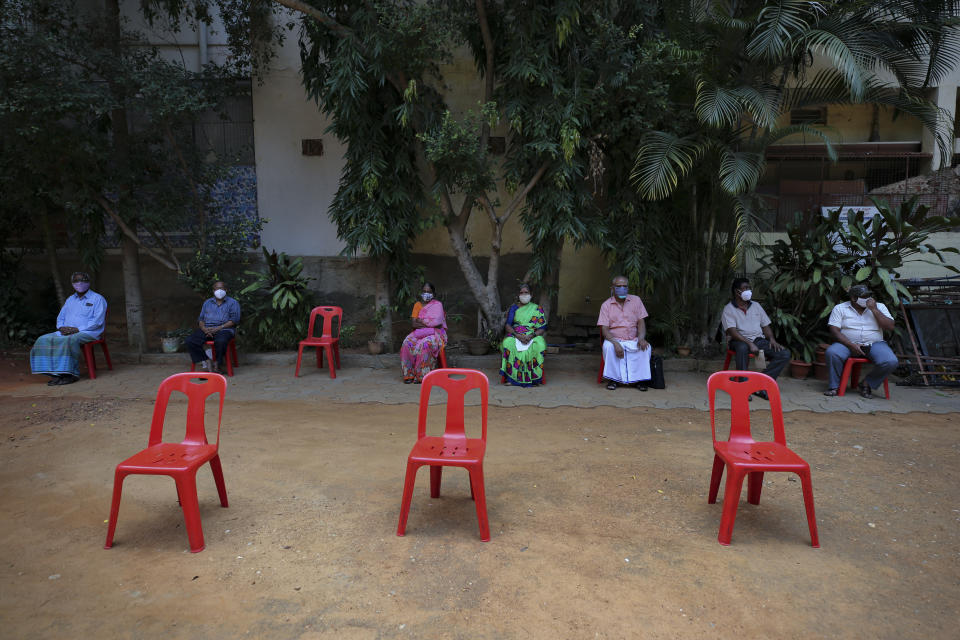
[407, 380]
[611, 386]
[865, 391]
[831, 392]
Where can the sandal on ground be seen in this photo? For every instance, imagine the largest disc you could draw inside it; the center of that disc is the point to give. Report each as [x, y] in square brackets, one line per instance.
[407, 380]
[831, 392]
[611, 386]
[865, 391]
[67, 379]
[761, 394]
[642, 387]
[53, 381]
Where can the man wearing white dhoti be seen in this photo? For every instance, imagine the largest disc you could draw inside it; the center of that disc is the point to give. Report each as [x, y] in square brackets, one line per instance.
[626, 352]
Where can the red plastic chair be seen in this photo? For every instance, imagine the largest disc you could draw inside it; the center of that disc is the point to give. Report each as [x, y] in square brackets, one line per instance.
[90, 360]
[326, 341]
[231, 353]
[743, 456]
[730, 354]
[453, 448]
[178, 460]
[852, 365]
[442, 357]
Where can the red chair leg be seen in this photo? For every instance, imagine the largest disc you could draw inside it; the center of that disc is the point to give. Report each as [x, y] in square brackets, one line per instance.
[106, 355]
[118, 478]
[844, 377]
[600, 373]
[715, 476]
[217, 470]
[330, 360]
[296, 372]
[233, 352]
[476, 485]
[319, 357]
[731, 500]
[336, 353]
[754, 487]
[807, 485]
[726, 362]
[443, 358]
[436, 475]
[229, 366]
[91, 362]
[187, 488]
[408, 483]
[886, 388]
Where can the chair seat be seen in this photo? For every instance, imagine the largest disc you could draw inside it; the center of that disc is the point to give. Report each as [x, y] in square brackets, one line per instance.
[319, 341]
[771, 456]
[449, 451]
[169, 457]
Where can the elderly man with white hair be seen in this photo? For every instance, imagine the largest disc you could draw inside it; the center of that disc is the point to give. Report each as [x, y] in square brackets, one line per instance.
[626, 352]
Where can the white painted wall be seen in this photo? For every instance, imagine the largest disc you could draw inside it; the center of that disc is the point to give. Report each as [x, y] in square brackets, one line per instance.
[293, 190]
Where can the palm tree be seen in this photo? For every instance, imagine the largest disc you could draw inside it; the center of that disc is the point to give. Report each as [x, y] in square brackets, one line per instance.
[759, 60]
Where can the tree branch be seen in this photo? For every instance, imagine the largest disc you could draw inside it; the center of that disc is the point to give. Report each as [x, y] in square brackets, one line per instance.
[523, 194]
[316, 14]
[170, 263]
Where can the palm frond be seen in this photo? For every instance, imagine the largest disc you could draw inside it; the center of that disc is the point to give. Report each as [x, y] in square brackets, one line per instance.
[740, 170]
[804, 129]
[716, 106]
[833, 47]
[761, 103]
[663, 159]
[777, 26]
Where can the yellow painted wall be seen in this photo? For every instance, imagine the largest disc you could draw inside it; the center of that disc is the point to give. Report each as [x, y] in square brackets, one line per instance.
[851, 123]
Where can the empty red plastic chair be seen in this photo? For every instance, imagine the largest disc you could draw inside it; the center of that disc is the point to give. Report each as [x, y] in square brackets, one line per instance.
[730, 354]
[743, 456]
[453, 448]
[179, 460]
[852, 365]
[231, 353]
[326, 341]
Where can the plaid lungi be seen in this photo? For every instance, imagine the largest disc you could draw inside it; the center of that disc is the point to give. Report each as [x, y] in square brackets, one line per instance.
[55, 354]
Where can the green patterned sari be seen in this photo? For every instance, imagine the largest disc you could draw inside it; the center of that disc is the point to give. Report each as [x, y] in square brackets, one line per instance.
[524, 368]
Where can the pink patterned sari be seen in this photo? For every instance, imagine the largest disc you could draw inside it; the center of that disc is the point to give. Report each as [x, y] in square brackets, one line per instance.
[421, 347]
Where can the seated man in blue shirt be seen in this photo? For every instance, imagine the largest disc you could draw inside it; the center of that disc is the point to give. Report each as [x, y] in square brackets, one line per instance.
[81, 320]
[218, 317]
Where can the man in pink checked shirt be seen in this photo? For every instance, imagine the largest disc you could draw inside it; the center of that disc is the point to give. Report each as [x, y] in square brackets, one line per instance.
[626, 352]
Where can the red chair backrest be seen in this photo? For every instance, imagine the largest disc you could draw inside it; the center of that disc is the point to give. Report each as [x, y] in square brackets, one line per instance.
[197, 394]
[456, 382]
[739, 385]
[328, 314]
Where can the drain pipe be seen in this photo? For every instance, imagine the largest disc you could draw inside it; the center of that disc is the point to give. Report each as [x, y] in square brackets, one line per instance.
[202, 43]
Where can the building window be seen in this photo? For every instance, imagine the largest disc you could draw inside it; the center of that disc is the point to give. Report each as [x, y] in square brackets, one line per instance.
[809, 116]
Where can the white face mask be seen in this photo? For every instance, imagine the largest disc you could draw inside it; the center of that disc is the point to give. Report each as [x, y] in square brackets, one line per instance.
[862, 301]
[524, 298]
[219, 294]
[427, 297]
[746, 295]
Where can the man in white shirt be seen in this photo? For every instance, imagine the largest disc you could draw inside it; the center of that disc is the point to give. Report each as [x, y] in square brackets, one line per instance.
[748, 328]
[858, 326]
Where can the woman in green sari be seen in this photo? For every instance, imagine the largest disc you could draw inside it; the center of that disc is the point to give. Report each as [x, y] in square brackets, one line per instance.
[521, 363]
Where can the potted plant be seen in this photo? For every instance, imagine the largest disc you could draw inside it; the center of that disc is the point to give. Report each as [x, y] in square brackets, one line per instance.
[802, 361]
[683, 351]
[375, 346]
[170, 340]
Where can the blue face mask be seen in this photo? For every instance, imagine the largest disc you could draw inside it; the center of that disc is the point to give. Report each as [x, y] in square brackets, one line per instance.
[621, 292]
[427, 297]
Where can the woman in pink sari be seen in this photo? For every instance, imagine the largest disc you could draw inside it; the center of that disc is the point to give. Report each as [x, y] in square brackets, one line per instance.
[418, 355]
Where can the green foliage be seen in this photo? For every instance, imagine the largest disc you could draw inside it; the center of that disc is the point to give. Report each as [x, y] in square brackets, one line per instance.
[277, 303]
[348, 335]
[810, 272]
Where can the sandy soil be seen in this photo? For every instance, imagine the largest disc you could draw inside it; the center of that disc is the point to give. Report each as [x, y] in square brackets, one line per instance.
[599, 520]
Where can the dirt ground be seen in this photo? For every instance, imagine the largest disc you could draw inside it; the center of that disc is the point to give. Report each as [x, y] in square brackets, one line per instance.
[599, 520]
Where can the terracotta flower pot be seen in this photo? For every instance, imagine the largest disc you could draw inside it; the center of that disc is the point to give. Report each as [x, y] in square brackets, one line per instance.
[374, 347]
[820, 354]
[800, 369]
[683, 352]
[820, 371]
[478, 346]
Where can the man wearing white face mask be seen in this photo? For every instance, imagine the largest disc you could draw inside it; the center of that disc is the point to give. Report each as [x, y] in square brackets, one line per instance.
[858, 326]
[218, 317]
[748, 328]
[626, 352]
[81, 320]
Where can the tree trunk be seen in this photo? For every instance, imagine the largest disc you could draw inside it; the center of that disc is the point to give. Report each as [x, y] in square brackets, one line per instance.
[487, 296]
[51, 248]
[381, 300]
[132, 292]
